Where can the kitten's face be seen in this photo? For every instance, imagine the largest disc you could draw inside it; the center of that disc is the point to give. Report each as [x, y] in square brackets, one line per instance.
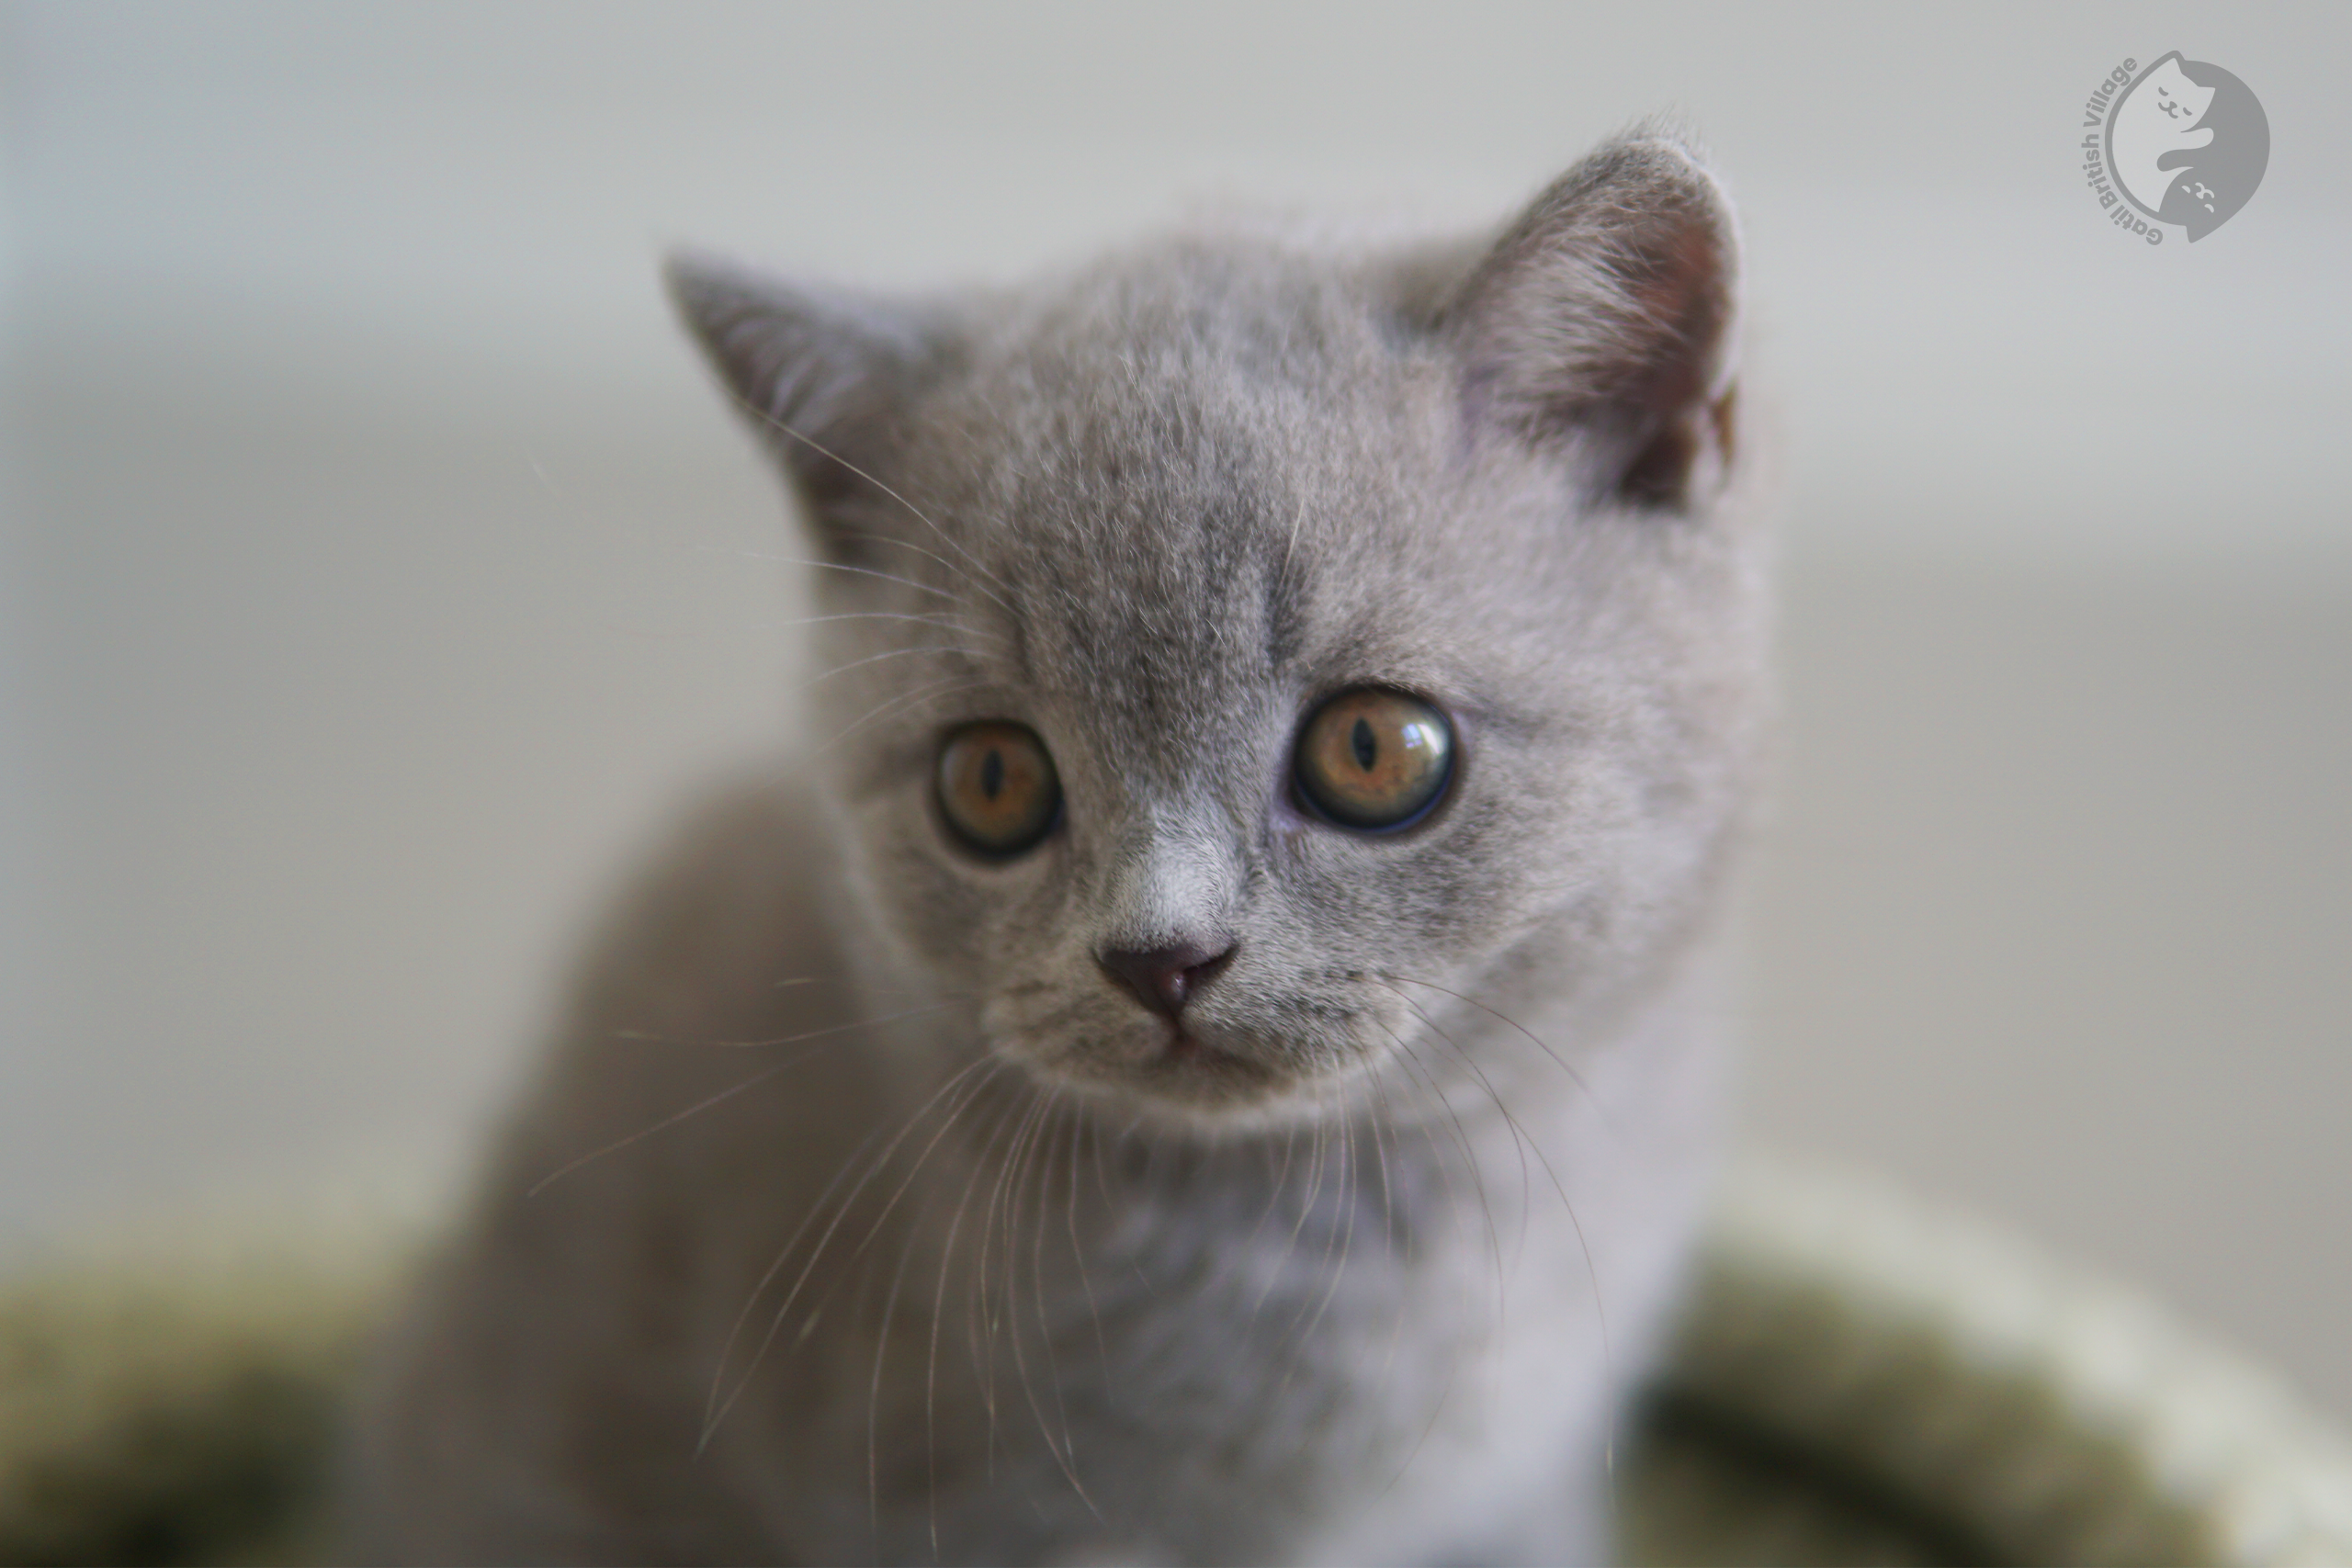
[1299, 671]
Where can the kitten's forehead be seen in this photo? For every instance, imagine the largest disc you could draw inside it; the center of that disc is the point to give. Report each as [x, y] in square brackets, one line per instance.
[1171, 449]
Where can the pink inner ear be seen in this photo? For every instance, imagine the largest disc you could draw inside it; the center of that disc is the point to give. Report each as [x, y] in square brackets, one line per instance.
[1600, 322]
[1723, 415]
[1683, 300]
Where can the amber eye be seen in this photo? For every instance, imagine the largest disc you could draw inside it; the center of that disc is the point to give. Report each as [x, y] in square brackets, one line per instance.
[1371, 758]
[996, 787]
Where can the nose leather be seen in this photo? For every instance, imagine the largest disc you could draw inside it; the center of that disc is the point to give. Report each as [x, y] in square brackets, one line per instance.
[1164, 978]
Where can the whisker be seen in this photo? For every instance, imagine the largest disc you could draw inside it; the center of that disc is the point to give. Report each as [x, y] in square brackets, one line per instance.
[1469, 1154]
[726, 1350]
[1354, 1179]
[1330, 1243]
[874, 1391]
[877, 659]
[874, 1231]
[1454, 1364]
[844, 977]
[942, 622]
[618, 1145]
[1000, 1196]
[1015, 1162]
[1038, 1270]
[713, 1418]
[1528, 1141]
[1065, 1456]
[1101, 1182]
[1273, 1200]
[1519, 1141]
[938, 1314]
[1314, 1190]
[929, 690]
[1081, 1126]
[1019, 1160]
[1290, 549]
[945, 1126]
[830, 566]
[879, 537]
[1600, 1310]
[1388, 1213]
[783, 1039]
[769, 417]
[1445, 1390]
[1346, 1238]
[1574, 1076]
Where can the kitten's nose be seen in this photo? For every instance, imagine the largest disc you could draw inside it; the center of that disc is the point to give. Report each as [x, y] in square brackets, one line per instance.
[1164, 978]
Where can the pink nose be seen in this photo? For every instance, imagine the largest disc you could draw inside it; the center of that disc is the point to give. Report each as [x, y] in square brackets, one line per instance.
[1164, 978]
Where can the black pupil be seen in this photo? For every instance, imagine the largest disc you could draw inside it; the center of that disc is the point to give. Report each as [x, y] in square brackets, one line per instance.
[992, 772]
[1365, 748]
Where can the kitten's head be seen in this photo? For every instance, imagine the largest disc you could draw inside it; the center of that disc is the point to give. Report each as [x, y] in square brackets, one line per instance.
[1245, 642]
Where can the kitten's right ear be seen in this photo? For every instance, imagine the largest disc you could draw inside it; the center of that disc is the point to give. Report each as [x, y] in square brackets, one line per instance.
[1603, 322]
[823, 374]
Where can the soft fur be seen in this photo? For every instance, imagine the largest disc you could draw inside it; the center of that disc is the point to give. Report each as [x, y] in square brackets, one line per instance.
[958, 1260]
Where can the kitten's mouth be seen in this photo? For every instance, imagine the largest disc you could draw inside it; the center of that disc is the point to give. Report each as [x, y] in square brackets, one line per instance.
[1176, 1068]
[1181, 1051]
[1204, 1068]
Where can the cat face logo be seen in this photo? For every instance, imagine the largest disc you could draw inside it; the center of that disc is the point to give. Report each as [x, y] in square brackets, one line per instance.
[2187, 144]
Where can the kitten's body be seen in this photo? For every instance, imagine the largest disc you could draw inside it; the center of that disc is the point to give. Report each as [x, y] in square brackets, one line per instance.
[996, 1264]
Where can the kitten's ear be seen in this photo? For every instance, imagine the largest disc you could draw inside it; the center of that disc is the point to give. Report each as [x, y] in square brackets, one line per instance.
[823, 374]
[1603, 322]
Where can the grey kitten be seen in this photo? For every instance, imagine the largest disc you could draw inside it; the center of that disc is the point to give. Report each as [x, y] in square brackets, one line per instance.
[1212, 1058]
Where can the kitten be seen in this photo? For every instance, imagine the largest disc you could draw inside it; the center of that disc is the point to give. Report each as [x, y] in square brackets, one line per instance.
[1212, 1058]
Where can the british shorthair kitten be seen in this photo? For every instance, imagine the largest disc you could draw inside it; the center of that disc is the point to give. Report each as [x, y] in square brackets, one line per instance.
[1211, 1057]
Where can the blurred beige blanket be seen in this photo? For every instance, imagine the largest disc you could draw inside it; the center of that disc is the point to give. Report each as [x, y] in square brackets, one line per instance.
[1857, 1380]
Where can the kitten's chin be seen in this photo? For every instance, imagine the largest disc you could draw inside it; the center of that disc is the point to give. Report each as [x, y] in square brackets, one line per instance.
[1182, 1082]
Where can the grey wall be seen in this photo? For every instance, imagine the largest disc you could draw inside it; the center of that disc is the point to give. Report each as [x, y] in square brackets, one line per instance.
[377, 568]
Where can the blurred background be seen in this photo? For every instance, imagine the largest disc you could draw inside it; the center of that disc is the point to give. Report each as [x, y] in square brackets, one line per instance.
[377, 570]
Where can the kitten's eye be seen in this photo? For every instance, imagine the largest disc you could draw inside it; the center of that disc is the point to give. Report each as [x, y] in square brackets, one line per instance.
[996, 787]
[1371, 758]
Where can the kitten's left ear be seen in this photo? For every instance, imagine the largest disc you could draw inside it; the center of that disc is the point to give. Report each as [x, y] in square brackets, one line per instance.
[823, 374]
[1603, 322]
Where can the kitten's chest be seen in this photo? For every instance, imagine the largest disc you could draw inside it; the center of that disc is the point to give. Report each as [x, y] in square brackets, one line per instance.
[1351, 1294]
[1272, 1364]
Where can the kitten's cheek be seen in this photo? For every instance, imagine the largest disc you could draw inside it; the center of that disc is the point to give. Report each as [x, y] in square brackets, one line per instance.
[1122, 1046]
[1023, 1026]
